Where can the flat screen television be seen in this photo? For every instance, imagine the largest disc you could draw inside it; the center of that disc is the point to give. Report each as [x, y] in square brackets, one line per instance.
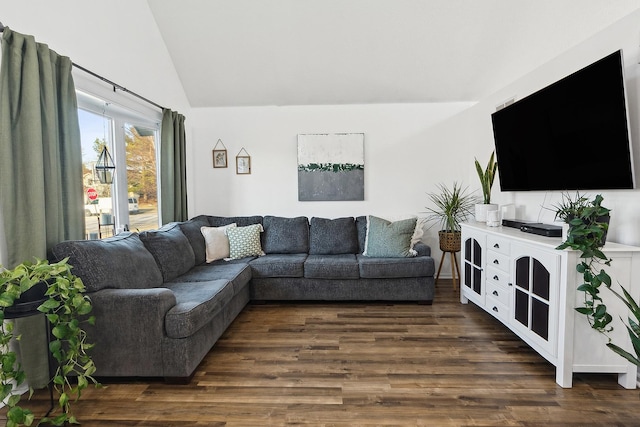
[570, 135]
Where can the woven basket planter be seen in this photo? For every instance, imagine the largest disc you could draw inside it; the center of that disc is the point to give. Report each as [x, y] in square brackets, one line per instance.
[450, 241]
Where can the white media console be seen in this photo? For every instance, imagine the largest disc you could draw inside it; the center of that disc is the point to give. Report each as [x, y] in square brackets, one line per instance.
[530, 286]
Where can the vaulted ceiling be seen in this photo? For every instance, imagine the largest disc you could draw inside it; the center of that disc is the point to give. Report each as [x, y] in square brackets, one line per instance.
[300, 52]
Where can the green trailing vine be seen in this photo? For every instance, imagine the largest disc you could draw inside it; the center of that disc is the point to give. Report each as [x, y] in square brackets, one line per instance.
[588, 226]
[66, 308]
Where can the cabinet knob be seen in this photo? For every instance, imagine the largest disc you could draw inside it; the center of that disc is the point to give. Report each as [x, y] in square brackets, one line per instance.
[497, 246]
[510, 284]
[495, 309]
[495, 277]
[495, 293]
[495, 261]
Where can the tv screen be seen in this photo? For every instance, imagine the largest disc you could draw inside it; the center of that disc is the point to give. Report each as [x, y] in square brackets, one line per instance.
[571, 135]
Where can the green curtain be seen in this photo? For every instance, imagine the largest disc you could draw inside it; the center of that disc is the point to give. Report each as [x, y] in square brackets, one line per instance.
[173, 176]
[40, 166]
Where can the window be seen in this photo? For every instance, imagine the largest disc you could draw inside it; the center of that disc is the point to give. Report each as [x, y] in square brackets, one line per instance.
[131, 202]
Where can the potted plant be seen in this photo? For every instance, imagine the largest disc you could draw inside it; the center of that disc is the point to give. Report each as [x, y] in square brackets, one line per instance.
[451, 207]
[487, 177]
[588, 225]
[66, 308]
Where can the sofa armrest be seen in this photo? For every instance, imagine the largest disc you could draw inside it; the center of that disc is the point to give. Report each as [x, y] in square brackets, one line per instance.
[422, 249]
[129, 330]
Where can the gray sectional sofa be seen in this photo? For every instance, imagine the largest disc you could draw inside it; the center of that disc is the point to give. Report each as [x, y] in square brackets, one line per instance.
[160, 306]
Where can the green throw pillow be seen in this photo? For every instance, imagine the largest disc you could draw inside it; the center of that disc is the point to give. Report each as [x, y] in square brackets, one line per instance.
[386, 239]
[245, 241]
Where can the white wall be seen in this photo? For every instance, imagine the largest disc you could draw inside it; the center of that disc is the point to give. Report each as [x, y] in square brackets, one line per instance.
[400, 163]
[472, 129]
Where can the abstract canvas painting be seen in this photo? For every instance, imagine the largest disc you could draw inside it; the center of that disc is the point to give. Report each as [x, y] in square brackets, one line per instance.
[331, 167]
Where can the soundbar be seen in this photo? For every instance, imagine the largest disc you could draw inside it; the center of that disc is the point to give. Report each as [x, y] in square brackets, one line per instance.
[517, 223]
[542, 229]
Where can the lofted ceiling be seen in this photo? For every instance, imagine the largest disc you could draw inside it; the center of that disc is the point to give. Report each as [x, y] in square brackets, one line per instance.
[302, 52]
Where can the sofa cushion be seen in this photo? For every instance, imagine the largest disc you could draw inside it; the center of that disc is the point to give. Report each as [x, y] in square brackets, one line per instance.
[191, 229]
[389, 239]
[285, 235]
[241, 221]
[333, 236]
[389, 268]
[237, 272]
[278, 265]
[344, 266]
[196, 305]
[171, 250]
[361, 226]
[245, 241]
[216, 242]
[120, 261]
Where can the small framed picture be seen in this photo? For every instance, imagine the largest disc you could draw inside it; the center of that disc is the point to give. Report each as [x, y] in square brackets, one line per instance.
[219, 158]
[243, 165]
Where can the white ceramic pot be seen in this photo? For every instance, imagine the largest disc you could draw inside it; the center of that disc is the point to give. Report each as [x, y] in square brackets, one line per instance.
[482, 209]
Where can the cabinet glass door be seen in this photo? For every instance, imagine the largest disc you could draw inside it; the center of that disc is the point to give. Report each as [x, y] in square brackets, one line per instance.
[535, 287]
[473, 265]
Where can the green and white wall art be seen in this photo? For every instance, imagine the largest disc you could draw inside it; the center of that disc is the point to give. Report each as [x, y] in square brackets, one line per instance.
[331, 167]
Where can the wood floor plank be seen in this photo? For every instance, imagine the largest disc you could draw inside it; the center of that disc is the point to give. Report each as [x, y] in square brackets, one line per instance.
[364, 364]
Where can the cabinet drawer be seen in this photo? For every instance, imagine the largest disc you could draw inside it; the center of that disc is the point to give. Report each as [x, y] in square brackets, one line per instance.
[497, 309]
[498, 244]
[497, 292]
[498, 260]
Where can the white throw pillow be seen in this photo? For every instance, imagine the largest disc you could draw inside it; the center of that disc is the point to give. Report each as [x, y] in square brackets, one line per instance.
[216, 241]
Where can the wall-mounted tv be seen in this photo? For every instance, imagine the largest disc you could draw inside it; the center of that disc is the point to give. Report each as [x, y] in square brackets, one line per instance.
[570, 135]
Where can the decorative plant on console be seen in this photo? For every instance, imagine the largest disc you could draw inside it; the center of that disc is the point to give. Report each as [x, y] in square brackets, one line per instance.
[66, 307]
[451, 207]
[588, 225]
[487, 177]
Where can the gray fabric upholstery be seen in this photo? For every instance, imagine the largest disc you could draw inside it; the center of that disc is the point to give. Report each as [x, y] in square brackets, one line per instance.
[278, 265]
[115, 262]
[196, 304]
[333, 236]
[296, 289]
[285, 235]
[361, 226]
[387, 268]
[172, 307]
[241, 221]
[191, 229]
[344, 266]
[171, 250]
[238, 273]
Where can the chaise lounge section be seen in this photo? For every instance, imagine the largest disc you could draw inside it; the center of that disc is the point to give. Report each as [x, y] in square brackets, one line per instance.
[162, 298]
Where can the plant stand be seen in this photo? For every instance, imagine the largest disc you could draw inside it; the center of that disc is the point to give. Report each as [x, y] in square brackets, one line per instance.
[27, 309]
[454, 268]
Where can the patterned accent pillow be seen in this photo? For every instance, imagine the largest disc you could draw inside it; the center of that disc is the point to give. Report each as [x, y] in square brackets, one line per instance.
[245, 241]
[217, 242]
[389, 239]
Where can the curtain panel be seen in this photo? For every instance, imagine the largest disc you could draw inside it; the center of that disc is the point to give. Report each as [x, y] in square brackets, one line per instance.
[173, 175]
[41, 197]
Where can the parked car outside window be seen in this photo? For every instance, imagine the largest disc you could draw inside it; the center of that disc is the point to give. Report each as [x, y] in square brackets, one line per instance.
[133, 205]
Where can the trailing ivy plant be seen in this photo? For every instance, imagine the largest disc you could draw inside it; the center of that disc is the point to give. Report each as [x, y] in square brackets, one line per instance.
[66, 308]
[586, 232]
[588, 225]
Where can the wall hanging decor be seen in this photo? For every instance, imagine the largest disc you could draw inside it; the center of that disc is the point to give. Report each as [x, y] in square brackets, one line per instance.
[331, 167]
[219, 155]
[243, 163]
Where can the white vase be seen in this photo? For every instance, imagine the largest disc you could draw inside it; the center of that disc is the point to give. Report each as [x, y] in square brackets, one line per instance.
[482, 209]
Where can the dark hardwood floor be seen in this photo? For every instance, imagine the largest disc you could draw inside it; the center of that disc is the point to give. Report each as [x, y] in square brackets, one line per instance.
[364, 364]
